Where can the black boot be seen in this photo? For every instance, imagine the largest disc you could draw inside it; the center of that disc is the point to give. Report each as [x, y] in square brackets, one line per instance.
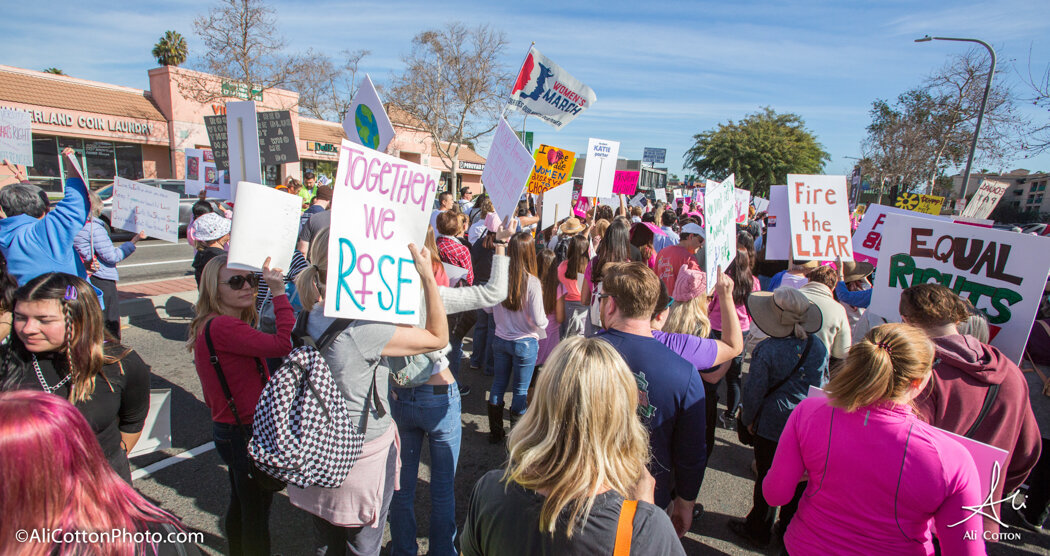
[496, 432]
[514, 417]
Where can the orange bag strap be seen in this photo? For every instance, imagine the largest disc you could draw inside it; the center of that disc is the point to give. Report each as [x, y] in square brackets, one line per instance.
[625, 528]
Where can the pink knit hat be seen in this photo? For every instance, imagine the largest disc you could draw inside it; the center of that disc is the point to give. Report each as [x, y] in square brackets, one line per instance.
[690, 284]
[492, 221]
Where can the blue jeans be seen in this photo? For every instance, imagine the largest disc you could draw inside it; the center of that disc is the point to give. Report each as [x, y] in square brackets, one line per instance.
[481, 336]
[514, 362]
[421, 412]
[248, 516]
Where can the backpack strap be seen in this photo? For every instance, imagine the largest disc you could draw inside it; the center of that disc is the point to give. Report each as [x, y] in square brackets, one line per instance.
[625, 528]
[989, 399]
[214, 358]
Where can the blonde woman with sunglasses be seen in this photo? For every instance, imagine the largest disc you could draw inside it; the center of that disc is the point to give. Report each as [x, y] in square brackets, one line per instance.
[226, 312]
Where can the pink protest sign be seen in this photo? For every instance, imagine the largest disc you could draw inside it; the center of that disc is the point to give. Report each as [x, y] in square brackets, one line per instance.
[625, 182]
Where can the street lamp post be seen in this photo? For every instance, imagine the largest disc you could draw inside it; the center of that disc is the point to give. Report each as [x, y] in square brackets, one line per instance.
[984, 101]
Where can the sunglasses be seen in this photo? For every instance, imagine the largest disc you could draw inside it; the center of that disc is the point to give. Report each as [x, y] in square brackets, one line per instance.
[238, 282]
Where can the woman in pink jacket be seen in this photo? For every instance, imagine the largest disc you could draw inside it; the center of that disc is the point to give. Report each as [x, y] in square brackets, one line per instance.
[880, 479]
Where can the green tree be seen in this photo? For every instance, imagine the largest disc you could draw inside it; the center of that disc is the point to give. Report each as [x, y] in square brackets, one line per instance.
[170, 50]
[762, 149]
[55, 71]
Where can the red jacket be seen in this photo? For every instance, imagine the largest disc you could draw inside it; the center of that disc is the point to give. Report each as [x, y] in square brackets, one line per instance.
[956, 393]
[238, 345]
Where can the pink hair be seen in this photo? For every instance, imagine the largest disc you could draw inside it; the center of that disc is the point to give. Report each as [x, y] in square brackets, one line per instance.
[56, 477]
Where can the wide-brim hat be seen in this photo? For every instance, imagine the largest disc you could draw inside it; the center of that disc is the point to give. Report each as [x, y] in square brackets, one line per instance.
[571, 226]
[778, 323]
[856, 270]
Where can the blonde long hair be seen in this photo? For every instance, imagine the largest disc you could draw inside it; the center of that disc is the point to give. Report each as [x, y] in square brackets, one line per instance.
[581, 433]
[689, 317]
[882, 366]
[311, 282]
[208, 304]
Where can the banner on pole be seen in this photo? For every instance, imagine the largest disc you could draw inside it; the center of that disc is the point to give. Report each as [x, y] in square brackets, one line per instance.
[653, 155]
[994, 269]
[625, 182]
[242, 132]
[545, 90]
[506, 170]
[16, 137]
[600, 170]
[778, 225]
[819, 214]
[867, 239]
[926, 204]
[557, 204]
[985, 199]
[380, 205]
[553, 167]
[366, 122]
[719, 213]
[265, 224]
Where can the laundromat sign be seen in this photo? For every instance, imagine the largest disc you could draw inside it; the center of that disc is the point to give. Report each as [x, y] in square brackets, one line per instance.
[91, 122]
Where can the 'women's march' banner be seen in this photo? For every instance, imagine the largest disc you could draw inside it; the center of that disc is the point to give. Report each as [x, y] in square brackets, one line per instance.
[380, 205]
[994, 269]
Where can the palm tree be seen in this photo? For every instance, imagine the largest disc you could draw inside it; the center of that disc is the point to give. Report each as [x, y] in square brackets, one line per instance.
[170, 50]
[55, 71]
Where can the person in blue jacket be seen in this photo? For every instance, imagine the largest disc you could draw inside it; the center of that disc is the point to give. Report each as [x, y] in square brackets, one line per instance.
[35, 240]
[92, 243]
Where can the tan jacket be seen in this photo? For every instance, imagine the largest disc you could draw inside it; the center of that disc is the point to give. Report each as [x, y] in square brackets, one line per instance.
[835, 330]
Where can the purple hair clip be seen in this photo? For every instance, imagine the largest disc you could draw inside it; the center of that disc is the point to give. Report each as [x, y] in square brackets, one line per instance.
[71, 293]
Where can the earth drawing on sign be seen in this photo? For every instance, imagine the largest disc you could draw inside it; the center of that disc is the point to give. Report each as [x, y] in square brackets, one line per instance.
[367, 129]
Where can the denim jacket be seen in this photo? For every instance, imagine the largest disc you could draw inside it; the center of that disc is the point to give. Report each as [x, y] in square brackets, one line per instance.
[771, 360]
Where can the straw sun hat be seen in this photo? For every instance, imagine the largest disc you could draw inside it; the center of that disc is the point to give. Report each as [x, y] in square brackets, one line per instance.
[778, 322]
[853, 270]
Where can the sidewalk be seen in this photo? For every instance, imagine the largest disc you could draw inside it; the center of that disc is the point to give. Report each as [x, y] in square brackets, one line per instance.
[145, 298]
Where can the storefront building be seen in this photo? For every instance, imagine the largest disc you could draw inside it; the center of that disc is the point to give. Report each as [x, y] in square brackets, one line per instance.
[137, 134]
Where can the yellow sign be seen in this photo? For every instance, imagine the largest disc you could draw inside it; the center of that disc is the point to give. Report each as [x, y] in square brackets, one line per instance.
[553, 168]
[927, 204]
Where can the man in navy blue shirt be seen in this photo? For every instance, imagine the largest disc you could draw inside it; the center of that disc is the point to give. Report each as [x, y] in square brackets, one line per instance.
[670, 391]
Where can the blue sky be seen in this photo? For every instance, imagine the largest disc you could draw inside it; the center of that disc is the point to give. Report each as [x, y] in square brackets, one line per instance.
[662, 71]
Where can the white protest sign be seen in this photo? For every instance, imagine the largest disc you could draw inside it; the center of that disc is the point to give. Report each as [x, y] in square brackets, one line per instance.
[660, 194]
[600, 171]
[242, 132]
[381, 204]
[719, 213]
[16, 137]
[996, 270]
[366, 122]
[984, 200]
[638, 200]
[195, 171]
[760, 204]
[819, 213]
[778, 225]
[454, 273]
[741, 202]
[265, 224]
[868, 237]
[557, 204]
[139, 207]
[156, 430]
[507, 169]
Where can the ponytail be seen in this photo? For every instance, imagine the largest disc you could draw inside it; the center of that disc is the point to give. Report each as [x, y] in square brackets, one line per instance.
[881, 367]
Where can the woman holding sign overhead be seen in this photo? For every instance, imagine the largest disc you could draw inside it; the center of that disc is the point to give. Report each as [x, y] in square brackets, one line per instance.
[94, 246]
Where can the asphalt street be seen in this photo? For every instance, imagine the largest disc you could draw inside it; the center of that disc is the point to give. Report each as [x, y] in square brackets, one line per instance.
[154, 259]
[196, 488]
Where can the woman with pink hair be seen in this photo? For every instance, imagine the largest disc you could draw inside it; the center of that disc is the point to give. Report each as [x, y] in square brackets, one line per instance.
[56, 478]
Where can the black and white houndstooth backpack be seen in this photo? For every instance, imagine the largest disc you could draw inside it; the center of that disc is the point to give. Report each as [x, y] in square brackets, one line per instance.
[303, 433]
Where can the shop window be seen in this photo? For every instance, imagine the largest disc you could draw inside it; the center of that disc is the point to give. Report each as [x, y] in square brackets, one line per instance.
[100, 162]
[129, 161]
[45, 171]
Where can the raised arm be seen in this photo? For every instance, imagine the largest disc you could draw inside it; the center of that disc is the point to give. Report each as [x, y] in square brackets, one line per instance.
[411, 340]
